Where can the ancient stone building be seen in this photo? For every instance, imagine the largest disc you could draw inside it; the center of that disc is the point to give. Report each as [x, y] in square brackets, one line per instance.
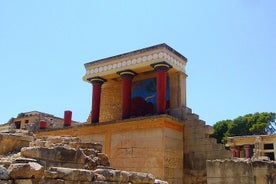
[35, 120]
[253, 146]
[140, 116]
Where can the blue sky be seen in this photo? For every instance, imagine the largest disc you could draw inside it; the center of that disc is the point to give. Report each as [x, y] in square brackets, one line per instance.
[230, 46]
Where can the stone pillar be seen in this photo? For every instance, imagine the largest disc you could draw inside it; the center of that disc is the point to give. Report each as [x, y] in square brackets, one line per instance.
[127, 76]
[96, 98]
[161, 84]
[247, 151]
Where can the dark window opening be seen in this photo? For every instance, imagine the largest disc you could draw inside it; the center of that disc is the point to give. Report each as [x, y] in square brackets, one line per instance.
[270, 155]
[17, 124]
[27, 121]
[268, 146]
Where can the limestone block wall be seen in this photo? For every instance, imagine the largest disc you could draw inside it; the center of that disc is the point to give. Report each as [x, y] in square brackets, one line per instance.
[111, 101]
[173, 155]
[156, 150]
[141, 150]
[241, 171]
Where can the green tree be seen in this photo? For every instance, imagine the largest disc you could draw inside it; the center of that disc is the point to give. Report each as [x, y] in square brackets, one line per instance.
[249, 124]
[220, 130]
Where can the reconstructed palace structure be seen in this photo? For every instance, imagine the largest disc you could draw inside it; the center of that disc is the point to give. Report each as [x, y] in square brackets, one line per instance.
[253, 146]
[139, 114]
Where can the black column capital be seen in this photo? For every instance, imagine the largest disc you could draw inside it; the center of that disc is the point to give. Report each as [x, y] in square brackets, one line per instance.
[127, 74]
[97, 80]
[161, 66]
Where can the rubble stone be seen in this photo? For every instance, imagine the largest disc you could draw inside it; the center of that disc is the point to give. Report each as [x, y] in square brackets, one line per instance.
[113, 175]
[138, 177]
[47, 161]
[69, 174]
[25, 170]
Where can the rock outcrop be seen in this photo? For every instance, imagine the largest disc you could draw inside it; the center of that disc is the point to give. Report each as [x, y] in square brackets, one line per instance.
[65, 160]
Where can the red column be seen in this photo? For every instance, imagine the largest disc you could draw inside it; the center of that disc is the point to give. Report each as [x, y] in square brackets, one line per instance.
[96, 98]
[127, 76]
[247, 151]
[67, 118]
[233, 151]
[238, 153]
[161, 85]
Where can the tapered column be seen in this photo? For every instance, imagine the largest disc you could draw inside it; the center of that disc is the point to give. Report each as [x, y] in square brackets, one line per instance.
[96, 98]
[127, 76]
[161, 85]
[247, 151]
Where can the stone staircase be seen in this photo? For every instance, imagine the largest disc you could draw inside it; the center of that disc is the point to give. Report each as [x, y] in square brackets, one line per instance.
[198, 148]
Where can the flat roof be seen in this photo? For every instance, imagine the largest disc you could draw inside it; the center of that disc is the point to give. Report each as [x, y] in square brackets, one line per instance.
[162, 45]
[139, 61]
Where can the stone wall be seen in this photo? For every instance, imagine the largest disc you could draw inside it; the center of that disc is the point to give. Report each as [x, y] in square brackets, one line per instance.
[111, 101]
[151, 144]
[65, 160]
[241, 171]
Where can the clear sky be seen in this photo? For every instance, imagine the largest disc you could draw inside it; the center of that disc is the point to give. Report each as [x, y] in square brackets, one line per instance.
[230, 46]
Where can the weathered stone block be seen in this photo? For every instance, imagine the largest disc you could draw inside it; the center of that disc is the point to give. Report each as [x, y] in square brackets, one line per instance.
[69, 174]
[11, 142]
[137, 177]
[25, 170]
[113, 175]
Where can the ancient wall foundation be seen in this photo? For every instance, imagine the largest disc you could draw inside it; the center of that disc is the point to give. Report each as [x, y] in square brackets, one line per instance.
[241, 171]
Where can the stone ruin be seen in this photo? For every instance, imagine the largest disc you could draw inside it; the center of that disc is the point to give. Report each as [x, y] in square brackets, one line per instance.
[245, 171]
[62, 160]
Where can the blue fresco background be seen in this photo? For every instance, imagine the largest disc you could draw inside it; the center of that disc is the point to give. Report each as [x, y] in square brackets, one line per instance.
[147, 90]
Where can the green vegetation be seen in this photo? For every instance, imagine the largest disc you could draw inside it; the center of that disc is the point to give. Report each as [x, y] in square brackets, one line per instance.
[20, 115]
[251, 124]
